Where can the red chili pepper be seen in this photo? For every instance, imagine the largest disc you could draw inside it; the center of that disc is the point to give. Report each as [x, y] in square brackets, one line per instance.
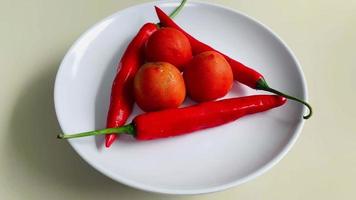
[122, 98]
[242, 73]
[178, 121]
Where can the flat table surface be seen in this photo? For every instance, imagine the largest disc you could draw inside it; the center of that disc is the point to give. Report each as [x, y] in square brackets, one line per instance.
[35, 35]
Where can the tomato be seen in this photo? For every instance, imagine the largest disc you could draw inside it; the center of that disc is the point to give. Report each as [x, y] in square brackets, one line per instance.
[168, 45]
[208, 76]
[159, 85]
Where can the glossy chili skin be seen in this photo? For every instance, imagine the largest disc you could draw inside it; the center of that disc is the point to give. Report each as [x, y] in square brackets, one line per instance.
[242, 73]
[178, 121]
[122, 97]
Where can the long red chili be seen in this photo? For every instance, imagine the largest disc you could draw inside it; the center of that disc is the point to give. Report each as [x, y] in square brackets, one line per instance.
[242, 73]
[122, 98]
[178, 121]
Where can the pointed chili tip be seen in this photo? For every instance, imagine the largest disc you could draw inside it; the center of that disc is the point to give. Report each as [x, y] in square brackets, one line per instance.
[60, 136]
[159, 11]
[157, 8]
[283, 99]
[109, 140]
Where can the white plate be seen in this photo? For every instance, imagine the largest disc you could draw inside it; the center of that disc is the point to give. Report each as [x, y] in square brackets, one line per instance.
[205, 161]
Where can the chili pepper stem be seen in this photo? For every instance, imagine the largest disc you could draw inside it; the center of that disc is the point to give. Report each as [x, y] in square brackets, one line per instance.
[178, 9]
[127, 129]
[262, 85]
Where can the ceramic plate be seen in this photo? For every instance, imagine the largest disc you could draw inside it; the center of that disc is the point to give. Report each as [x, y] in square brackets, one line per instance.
[205, 161]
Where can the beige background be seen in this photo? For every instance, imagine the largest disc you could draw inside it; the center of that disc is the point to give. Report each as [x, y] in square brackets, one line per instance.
[35, 35]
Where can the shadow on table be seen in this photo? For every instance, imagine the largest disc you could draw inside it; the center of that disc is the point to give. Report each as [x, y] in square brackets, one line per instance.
[32, 141]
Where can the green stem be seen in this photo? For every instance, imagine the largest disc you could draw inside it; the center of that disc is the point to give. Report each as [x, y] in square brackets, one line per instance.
[262, 85]
[178, 9]
[128, 129]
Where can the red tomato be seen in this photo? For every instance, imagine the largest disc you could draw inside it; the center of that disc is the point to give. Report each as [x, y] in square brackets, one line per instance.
[208, 76]
[158, 85]
[168, 45]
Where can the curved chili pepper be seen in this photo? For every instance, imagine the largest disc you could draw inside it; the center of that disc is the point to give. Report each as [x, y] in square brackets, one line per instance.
[122, 98]
[179, 121]
[242, 73]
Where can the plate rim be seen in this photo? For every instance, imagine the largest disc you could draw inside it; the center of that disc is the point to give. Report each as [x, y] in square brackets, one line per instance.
[279, 156]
